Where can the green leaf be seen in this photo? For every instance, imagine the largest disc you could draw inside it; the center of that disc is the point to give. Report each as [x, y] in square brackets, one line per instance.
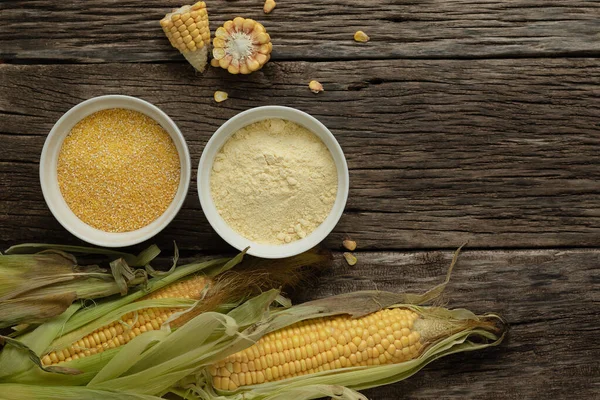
[11, 391]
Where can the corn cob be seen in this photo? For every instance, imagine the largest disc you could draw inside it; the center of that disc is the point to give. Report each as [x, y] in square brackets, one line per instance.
[131, 325]
[188, 31]
[241, 46]
[388, 336]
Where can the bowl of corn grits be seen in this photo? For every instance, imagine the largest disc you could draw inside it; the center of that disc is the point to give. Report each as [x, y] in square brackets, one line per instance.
[273, 179]
[115, 170]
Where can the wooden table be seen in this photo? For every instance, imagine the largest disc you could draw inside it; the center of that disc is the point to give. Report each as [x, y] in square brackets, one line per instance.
[461, 121]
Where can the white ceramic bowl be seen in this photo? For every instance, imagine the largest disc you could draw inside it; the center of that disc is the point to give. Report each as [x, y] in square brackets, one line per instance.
[217, 141]
[49, 179]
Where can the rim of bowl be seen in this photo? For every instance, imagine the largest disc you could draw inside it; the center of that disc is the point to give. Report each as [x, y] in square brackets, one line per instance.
[215, 144]
[49, 176]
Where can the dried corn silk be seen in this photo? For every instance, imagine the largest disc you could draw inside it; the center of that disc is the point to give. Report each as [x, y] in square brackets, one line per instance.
[274, 182]
[118, 170]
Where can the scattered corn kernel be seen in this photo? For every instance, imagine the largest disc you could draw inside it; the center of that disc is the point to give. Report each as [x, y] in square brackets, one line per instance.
[349, 244]
[362, 37]
[241, 46]
[269, 6]
[315, 86]
[188, 31]
[220, 96]
[350, 259]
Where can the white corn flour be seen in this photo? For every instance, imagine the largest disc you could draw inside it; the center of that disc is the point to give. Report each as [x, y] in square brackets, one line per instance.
[274, 181]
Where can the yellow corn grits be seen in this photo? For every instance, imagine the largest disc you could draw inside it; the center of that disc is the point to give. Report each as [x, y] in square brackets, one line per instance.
[118, 170]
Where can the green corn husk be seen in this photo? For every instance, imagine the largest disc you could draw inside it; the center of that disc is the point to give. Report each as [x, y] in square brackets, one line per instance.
[64, 330]
[9, 391]
[36, 287]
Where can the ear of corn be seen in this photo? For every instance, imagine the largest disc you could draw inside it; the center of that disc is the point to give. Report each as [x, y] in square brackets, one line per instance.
[188, 31]
[311, 358]
[384, 337]
[241, 46]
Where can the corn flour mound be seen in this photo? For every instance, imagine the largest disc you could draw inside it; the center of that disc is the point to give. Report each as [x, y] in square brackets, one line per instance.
[274, 182]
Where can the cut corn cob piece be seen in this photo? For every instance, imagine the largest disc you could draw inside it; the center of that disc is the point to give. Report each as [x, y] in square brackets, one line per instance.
[188, 31]
[133, 324]
[241, 46]
[388, 336]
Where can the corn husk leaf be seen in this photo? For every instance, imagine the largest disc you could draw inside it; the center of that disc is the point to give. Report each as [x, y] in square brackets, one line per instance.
[36, 287]
[11, 391]
[13, 360]
[140, 260]
[152, 272]
[34, 309]
[22, 273]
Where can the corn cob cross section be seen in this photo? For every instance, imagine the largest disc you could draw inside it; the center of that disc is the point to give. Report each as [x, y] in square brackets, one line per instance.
[388, 336]
[241, 46]
[132, 324]
[188, 31]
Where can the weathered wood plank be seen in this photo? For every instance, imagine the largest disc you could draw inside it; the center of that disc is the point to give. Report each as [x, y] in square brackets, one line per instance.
[550, 298]
[496, 152]
[128, 31]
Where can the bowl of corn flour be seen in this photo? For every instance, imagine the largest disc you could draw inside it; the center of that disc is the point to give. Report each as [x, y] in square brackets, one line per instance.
[273, 179]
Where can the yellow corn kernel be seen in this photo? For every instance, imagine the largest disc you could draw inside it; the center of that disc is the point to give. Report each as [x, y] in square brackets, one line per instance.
[350, 258]
[362, 37]
[315, 86]
[356, 344]
[349, 244]
[269, 6]
[220, 96]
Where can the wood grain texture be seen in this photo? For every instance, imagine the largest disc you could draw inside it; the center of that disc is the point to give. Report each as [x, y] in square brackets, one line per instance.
[550, 298]
[500, 153]
[128, 31]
